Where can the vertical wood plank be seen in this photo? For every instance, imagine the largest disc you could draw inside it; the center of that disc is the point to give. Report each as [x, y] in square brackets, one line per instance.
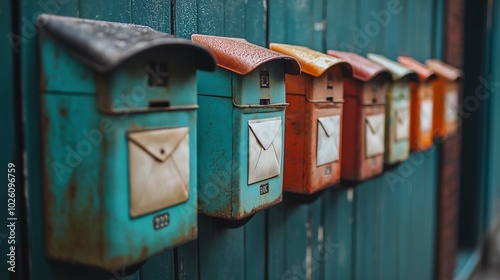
[277, 21]
[255, 22]
[118, 11]
[186, 18]
[152, 13]
[341, 22]
[276, 241]
[159, 267]
[255, 247]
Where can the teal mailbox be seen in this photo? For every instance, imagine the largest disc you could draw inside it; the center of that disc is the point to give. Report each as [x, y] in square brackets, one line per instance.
[241, 128]
[119, 140]
[397, 110]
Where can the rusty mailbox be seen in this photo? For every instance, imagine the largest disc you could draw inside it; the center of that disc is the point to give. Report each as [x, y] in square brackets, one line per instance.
[119, 140]
[446, 97]
[364, 118]
[313, 120]
[422, 103]
[241, 128]
[397, 110]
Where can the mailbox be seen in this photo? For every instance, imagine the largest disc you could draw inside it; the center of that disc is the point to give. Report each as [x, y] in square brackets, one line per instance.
[422, 101]
[118, 108]
[397, 110]
[241, 128]
[364, 117]
[446, 96]
[313, 120]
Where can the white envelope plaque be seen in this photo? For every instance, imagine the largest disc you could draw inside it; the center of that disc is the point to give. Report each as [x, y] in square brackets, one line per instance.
[158, 169]
[264, 149]
[451, 106]
[328, 140]
[374, 133]
[402, 124]
[426, 115]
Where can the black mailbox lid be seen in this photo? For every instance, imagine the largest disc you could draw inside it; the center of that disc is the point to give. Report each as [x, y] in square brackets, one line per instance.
[241, 57]
[104, 46]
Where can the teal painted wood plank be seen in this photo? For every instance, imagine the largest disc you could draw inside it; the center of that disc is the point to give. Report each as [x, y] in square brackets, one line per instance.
[152, 13]
[341, 23]
[187, 260]
[234, 19]
[318, 9]
[159, 267]
[277, 21]
[221, 251]
[255, 247]
[394, 23]
[338, 234]
[276, 241]
[370, 35]
[315, 240]
[438, 22]
[299, 23]
[211, 17]
[389, 215]
[296, 239]
[186, 19]
[118, 11]
[255, 22]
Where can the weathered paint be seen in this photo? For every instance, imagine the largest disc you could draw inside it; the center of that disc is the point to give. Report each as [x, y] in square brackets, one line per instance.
[223, 141]
[86, 163]
[318, 92]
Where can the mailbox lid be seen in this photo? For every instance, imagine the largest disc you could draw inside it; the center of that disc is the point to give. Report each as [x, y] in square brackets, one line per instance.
[444, 70]
[371, 77]
[312, 62]
[103, 46]
[241, 57]
[398, 71]
[363, 69]
[424, 73]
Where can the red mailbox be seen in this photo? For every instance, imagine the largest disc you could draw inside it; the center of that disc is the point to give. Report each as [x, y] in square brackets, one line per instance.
[313, 120]
[364, 117]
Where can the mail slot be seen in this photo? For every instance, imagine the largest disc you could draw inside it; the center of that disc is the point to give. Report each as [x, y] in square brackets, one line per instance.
[241, 128]
[119, 140]
[313, 120]
[446, 97]
[422, 103]
[364, 118]
[397, 110]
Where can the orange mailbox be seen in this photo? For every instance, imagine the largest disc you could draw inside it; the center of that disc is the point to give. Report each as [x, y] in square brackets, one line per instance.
[446, 89]
[313, 120]
[364, 118]
[422, 100]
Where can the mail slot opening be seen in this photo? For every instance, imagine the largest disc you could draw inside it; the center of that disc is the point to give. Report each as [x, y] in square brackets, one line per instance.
[159, 103]
[374, 100]
[265, 101]
[157, 74]
[329, 98]
[329, 81]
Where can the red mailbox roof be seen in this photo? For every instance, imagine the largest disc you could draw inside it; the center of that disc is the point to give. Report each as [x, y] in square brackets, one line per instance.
[424, 72]
[241, 57]
[312, 62]
[444, 69]
[364, 69]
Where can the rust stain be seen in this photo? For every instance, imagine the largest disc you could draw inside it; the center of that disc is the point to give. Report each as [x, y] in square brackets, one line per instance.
[63, 112]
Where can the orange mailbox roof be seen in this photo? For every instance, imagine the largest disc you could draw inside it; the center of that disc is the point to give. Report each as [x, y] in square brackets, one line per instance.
[241, 57]
[312, 62]
[363, 69]
[444, 69]
[424, 72]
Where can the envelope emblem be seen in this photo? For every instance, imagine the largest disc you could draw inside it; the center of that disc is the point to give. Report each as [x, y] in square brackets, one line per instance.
[264, 149]
[158, 169]
[426, 115]
[402, 124]
[451, 106]
[328, 140]
[374, 133]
